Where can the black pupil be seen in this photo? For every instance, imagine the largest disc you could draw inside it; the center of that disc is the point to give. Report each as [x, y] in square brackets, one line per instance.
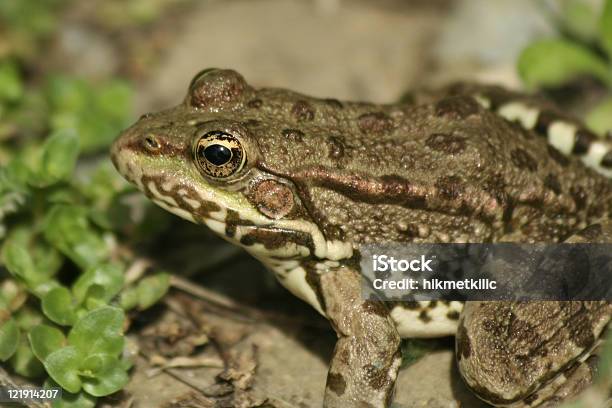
[217, 154]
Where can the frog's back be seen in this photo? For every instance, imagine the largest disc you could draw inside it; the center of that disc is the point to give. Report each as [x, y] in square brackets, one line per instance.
[440, 168]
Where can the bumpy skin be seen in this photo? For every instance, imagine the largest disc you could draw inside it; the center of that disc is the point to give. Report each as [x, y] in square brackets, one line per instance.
[310, 180]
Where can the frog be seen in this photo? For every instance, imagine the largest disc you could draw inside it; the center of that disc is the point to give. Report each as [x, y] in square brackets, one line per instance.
[301, 183]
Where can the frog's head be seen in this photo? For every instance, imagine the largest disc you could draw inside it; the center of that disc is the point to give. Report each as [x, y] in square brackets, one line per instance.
[200, 160]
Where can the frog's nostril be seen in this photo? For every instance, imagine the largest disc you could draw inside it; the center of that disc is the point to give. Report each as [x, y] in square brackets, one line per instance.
[151, 143]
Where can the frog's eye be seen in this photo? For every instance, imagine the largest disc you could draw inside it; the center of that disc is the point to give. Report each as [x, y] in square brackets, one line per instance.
[219, 154]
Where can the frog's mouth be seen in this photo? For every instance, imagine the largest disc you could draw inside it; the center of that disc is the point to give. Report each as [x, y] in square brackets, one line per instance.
[229, 214]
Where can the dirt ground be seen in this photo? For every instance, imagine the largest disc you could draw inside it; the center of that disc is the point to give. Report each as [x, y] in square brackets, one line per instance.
[275, 348]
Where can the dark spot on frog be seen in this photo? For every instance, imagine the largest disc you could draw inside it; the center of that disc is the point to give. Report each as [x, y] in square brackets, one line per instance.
[445, 143]
[552, 182]
[334, 103]
[518, 128]
[582, 141]
[523, 160]
[557, 156]
[374, 122]
[217, 88]
[496, 186]
[252, 123]
[408, 229]
[411, 305]
[272, 198]
[498, 96]
[457, 107]
[255, 103]
[332, 231]
[424, 317]
[591, 233]
[464, 346]
[303, 111]
[377, 377]
[336, 383]
[545, 119]
[606, 161]
[583, 336]
[579, 196]
[294, 135]
[452, 315]
[336, 147]
[231, 221]
[449, 187]
[375, 308]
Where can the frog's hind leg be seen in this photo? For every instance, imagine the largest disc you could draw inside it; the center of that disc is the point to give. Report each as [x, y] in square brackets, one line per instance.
[436, 318]
[507, 351]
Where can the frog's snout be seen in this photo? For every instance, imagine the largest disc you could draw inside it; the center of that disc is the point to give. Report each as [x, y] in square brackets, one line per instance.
[126, 147]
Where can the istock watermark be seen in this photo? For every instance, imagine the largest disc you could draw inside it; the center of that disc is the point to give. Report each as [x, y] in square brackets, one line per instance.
[502, 271]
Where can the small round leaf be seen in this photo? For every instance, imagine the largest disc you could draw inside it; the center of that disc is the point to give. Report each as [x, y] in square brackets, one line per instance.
[9, 339]
[57, 305]
[45, 339]
[63, 366]
[99, 331]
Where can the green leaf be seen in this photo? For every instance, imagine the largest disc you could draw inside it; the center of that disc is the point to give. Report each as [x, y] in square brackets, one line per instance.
[99, 331]
[9, 339]
[11, 88]
[13, 191]
[129, 298]
[44, 340]
[97, 113]
[59, 156]
[68, 229]
[63, 366]
[151, 289]
[106, 382]
[95, 297]
[24, 362]
[605, 27]
[58, 306]
[600, 118]
[553, 62]
[18, 261]
[108, 276]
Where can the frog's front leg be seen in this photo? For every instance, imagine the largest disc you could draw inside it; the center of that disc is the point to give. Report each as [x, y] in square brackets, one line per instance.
[524, 354]
[367, 355]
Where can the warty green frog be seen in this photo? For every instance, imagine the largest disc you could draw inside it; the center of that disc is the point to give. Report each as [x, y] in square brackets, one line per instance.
[301, 183]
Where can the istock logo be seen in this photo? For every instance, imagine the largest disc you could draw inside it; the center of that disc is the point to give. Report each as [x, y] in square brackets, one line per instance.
[383, 263]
